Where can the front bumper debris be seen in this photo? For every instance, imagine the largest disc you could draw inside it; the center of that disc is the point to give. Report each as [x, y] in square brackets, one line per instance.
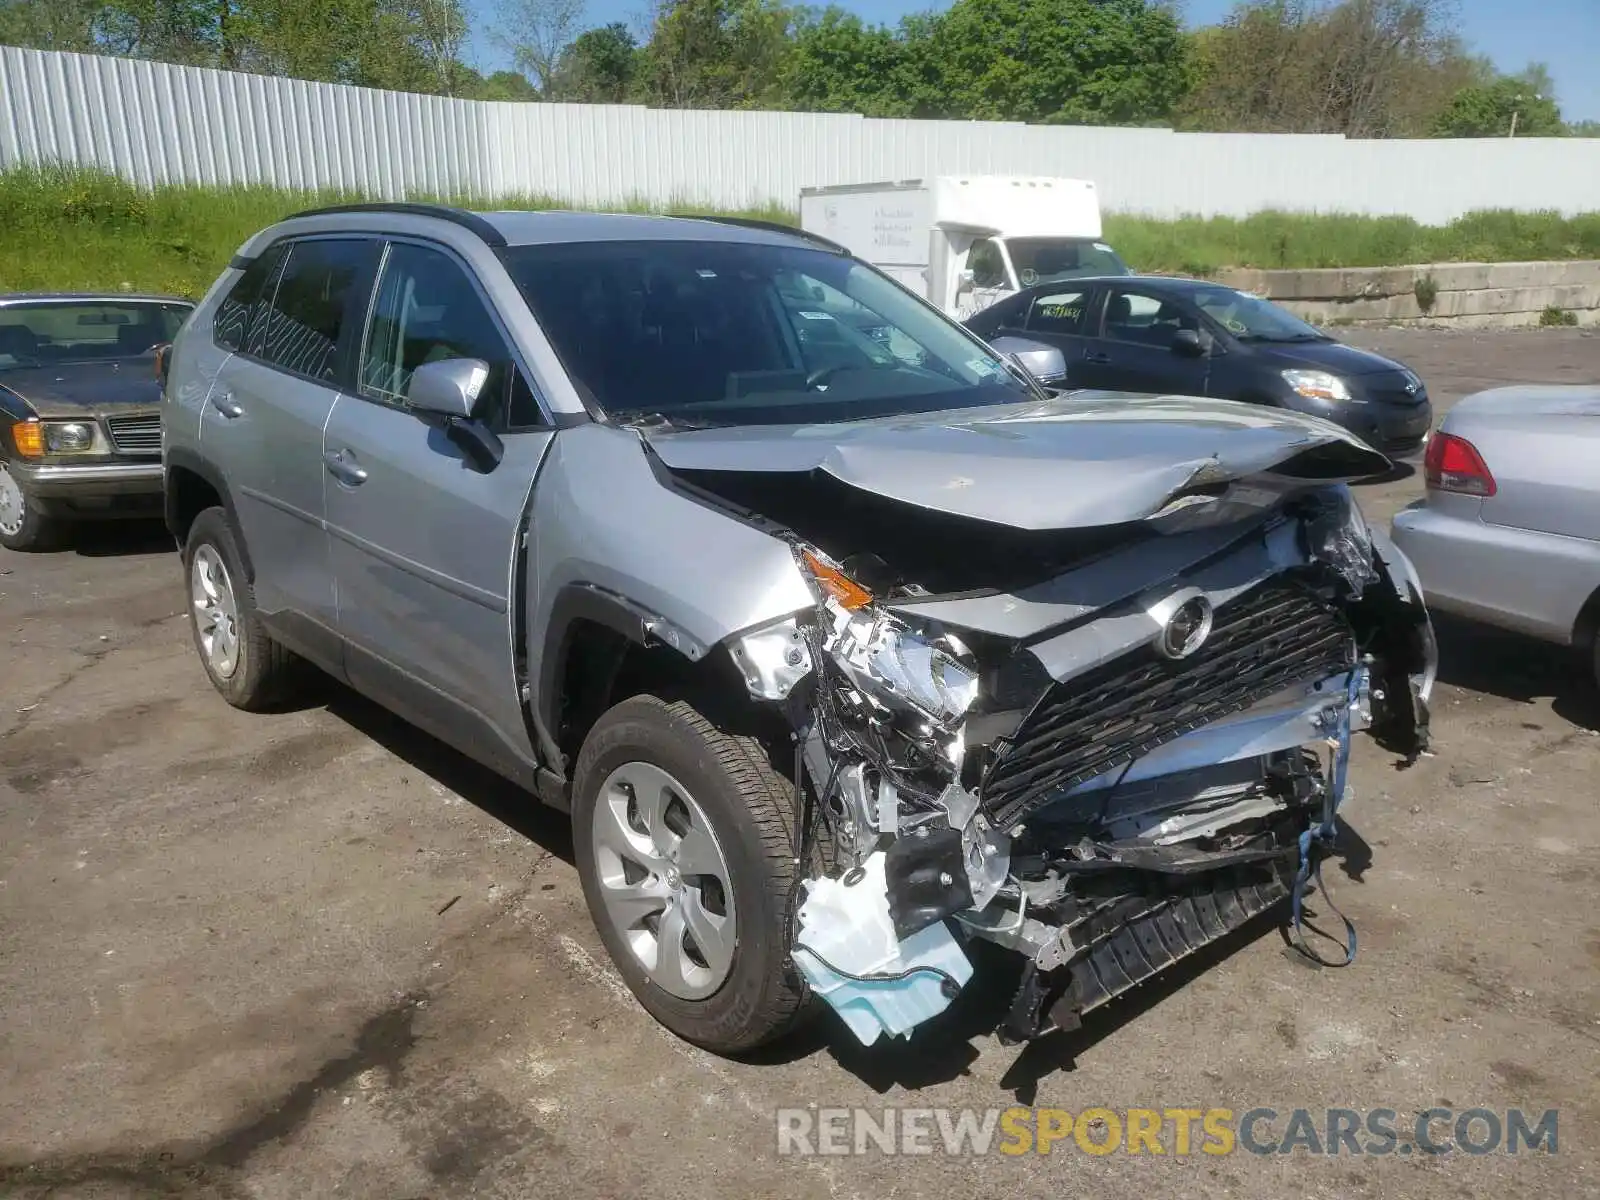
[1103, 796]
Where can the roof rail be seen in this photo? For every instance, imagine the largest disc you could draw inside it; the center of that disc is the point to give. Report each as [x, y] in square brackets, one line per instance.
[443, 212]
[770, 227]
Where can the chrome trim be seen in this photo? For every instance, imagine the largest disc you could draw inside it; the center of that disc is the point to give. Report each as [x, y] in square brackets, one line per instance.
[51, 479]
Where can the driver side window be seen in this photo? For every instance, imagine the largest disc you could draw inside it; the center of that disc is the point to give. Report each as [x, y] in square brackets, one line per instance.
[427, 310]
[987, 267]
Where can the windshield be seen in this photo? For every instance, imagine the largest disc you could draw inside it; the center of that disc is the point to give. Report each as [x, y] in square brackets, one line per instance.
[51, 332]
[1251, 319]
[703, 333]
[1047, 260]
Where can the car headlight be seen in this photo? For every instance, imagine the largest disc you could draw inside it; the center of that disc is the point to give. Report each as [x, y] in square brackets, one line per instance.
[68, 437]
[1317, 385]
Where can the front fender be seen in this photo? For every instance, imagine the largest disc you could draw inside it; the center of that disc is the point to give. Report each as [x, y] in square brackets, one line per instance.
[614, 540]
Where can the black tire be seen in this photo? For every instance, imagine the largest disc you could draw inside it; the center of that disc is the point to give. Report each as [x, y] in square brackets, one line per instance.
[35, 532]
[265, 673]
[750, 807]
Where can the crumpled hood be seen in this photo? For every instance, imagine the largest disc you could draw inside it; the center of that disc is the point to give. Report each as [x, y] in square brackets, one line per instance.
[86, 389]
[1084, 459]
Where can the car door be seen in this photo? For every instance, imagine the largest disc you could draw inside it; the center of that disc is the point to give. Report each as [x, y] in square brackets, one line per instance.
[424, 537]
[1134, 348]
[286, 321]
[1058, 316]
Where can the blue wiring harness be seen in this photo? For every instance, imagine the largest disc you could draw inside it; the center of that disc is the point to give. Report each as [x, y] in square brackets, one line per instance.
[1317, 842]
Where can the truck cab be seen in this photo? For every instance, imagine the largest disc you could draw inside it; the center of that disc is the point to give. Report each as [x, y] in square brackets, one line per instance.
[965, 242]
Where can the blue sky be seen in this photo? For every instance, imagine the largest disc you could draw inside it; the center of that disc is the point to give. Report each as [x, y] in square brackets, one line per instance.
[1563, 34]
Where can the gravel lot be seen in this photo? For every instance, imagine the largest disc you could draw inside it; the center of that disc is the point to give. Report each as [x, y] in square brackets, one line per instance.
[316, 953]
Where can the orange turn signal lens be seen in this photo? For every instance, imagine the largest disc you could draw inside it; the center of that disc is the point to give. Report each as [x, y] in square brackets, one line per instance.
[850, 594]
[29, 438]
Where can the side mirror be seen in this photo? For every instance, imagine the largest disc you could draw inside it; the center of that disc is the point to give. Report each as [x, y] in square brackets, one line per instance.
[163, 352]
[1187, 343]
[965, 282]
[449, 387]
[1046, 364]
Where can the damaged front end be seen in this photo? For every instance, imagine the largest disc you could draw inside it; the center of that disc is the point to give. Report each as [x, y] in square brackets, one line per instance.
[1104, 771]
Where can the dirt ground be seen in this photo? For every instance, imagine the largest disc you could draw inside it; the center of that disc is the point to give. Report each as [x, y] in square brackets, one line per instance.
[317, 954]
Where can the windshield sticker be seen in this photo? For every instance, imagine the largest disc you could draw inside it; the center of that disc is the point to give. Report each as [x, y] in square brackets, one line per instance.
[1102, 246]
[985, 367]
[706, 273]
[815, 316]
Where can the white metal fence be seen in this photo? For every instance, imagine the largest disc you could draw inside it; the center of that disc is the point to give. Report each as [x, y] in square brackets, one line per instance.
[155, 123]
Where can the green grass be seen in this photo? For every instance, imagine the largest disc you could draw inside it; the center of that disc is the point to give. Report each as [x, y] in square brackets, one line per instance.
[67, 228]
[1205, 245]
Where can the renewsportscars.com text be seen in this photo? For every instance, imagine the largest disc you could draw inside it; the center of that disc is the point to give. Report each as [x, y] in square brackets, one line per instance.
[1164, 1131]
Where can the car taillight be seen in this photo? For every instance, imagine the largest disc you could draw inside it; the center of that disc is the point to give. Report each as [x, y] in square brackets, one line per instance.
[1453, 464]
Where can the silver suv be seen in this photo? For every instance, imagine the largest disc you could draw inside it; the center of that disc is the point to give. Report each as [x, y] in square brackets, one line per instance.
[843, 642]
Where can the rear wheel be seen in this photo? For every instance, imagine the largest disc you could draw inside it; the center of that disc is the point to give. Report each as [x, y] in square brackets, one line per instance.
[683, 836]
[252, 671]
[22, 526]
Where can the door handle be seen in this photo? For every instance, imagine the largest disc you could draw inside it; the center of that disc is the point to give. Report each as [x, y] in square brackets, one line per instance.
[342, 466]
[225, 404]
[1096, 356]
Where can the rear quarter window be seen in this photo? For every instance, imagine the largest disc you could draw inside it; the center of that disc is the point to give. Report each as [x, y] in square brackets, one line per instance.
[231, 329]
[298, 327]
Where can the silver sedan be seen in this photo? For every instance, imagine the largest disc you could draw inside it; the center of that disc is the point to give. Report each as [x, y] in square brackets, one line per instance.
[1509, 532]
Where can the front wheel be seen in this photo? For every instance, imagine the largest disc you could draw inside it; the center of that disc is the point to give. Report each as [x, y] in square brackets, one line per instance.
[244, 664]
[684, 844]
[22, 526]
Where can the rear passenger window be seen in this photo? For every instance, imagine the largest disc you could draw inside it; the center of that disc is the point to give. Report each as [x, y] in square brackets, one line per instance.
[427, 311]
[299, 328]
[1133, 317]
[1057, 312]
[241, 303]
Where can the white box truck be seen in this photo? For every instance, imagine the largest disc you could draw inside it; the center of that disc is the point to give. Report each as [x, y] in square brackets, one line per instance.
[965, 241]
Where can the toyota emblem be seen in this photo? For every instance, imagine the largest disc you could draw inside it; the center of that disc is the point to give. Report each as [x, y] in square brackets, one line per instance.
[1186, 629]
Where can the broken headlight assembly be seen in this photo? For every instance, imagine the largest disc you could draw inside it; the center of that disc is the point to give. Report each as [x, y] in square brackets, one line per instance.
[898, 667]
[1336, 534]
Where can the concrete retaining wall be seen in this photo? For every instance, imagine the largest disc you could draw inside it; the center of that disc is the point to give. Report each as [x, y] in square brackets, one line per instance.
[1466, 295]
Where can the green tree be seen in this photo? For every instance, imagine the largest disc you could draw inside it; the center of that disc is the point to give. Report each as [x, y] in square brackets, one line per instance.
[49, 24]
[1509, 104]
[601, 66]
[505, 85]
[717, 54]
[535, 33]
[840, 64]
[1066, 61]
[1584, 129]
[1364, 68]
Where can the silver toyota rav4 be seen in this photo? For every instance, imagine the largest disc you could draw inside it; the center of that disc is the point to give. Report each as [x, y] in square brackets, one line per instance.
[844, 643]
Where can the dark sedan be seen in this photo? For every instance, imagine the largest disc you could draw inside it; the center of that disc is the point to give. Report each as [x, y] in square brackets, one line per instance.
[80, 430]
[1191, 337]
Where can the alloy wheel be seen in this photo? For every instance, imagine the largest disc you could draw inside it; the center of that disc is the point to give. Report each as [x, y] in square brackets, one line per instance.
[664, 880]
[216, 612]
[13, 505]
